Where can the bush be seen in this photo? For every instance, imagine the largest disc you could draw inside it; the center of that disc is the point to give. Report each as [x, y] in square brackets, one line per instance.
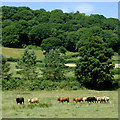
[75, 88]
[13, 83]
[12, 59]
[40, 84]
[69, 84]
[34, 47]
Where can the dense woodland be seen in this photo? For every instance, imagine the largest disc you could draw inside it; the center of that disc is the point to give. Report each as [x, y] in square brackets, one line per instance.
[22, 26]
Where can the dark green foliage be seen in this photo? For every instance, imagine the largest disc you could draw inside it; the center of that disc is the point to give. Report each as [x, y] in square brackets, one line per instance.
[52, 43]
[70, 85]
[11, 59]
[12, 84]
[57, 16]
[23, 26]
[34, 47]
[10, 36]
[40, 84]
[27, 65]
[6, 22]
[38, 33]
[94, 67]
[54, 64]
[24, 15]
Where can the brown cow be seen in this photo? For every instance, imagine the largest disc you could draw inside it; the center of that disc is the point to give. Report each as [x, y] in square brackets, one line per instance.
[63, 99]
[78, 99]
[101, 99]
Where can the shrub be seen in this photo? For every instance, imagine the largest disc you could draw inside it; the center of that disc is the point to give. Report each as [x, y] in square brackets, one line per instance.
[34, 47]
[40, 84]
[13, 83]
[12, 59]
[75, 88]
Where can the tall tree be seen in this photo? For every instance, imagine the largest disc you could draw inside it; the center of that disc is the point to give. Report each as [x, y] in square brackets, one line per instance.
[27, 65]
[54, 64]
[94, 67]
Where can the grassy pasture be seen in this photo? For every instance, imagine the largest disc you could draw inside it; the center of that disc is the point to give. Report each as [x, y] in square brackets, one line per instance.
[48, 107]
[17, 52]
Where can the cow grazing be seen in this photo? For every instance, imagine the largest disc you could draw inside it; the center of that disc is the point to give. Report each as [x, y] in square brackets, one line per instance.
[20, 100]
[106, 99]
[34, 100]
[101, 99]
[78, 99]
[63, 99]
[91, 99]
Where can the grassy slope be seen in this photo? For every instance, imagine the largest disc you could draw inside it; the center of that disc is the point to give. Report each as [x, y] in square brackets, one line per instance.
[16, 53]
[71, 110]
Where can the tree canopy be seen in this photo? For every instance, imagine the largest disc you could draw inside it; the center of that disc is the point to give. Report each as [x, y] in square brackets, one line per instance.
[24, 26]
[54, 64]
[27, 65]
[94, 67]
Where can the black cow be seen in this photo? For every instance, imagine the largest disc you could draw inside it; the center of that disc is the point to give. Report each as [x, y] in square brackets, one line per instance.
[91, 99]
[20, 100]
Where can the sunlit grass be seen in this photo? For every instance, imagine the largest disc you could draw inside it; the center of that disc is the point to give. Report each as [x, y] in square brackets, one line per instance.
[17, 52]
[48, 107]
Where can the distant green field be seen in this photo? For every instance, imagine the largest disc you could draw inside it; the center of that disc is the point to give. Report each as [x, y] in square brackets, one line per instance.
[48, 107]
[16, 53]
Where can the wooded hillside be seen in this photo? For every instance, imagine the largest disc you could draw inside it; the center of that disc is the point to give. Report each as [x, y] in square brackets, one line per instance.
[23, 26]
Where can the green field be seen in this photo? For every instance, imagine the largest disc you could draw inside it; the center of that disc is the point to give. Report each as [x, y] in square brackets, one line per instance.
[48, 107]
[17, 52]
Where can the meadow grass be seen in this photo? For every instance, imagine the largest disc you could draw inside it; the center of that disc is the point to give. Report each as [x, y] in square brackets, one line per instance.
[17, 52]
[48, 107]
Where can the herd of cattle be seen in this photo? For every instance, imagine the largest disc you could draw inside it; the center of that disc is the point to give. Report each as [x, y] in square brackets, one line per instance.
[66, 99]
[83, 99]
